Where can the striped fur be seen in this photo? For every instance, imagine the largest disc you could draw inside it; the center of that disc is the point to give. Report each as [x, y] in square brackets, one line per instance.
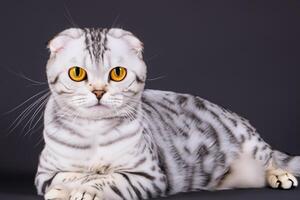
[142, 143]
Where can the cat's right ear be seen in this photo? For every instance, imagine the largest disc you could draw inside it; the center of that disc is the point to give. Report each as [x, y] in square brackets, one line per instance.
[63, 38]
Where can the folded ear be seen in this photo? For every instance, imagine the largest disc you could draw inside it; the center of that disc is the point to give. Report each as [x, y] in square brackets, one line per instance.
[132, 40]
[61, 39]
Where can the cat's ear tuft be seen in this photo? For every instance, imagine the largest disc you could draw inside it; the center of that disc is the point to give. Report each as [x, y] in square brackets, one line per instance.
[61, 40]
[132, 40]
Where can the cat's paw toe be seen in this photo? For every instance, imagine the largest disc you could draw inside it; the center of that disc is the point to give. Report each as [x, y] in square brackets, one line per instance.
[83, 194]
[282, 179]
[57, 193]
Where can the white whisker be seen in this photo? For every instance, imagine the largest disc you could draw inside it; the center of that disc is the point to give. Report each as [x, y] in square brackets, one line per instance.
[24, 114]
[27, 100]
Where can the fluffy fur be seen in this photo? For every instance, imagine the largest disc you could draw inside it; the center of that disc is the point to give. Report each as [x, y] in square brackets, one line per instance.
[135, 143]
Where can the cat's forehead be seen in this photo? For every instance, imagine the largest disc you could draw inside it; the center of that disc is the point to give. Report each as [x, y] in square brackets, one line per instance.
[96, 42]
[99, 42]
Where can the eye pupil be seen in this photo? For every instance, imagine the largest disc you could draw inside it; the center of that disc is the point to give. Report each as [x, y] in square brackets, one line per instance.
[118, 71]
[77, 71]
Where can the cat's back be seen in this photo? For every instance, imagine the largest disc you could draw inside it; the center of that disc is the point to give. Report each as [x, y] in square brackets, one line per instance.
[181, 113]
[182, 103]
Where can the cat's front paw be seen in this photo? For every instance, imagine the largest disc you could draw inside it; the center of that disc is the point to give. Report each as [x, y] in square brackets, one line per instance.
[281, 179]
[60, 192]
[57, 192]
[78, 194]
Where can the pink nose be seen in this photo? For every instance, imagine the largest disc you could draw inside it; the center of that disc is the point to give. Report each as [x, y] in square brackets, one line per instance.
[98, 93]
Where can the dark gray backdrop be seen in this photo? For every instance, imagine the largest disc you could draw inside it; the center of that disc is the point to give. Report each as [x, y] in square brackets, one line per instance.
[243, 55]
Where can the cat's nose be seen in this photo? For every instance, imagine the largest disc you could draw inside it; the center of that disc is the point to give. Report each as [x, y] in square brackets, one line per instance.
[98, 93]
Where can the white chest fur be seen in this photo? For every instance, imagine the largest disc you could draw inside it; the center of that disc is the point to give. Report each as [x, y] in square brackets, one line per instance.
[111, 145]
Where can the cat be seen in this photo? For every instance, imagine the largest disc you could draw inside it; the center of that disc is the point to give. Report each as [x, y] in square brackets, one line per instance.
[108, 138]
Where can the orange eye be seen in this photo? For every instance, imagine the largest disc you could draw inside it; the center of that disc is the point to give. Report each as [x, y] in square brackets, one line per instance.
[77, 74]
[118, 74]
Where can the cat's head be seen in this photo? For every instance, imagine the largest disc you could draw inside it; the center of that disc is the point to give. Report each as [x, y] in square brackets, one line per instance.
[96, 73]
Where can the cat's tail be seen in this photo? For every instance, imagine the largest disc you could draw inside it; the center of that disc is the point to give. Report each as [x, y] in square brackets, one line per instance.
[287, 162]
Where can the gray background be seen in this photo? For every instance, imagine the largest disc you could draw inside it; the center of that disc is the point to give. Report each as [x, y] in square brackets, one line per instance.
[243, 55]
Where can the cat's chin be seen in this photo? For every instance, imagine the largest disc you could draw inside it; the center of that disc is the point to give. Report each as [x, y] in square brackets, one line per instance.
[94, 113]
[98, 111]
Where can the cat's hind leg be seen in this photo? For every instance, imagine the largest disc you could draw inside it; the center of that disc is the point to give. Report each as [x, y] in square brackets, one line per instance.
[247, 172]
[279, 178]
[282, 170]
[244, 172]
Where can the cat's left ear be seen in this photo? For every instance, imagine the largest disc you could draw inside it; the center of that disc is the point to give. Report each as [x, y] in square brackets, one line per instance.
[134, 43]
[60, 41]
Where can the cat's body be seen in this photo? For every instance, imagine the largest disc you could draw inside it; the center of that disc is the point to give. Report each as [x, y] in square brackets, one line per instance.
[151, 143]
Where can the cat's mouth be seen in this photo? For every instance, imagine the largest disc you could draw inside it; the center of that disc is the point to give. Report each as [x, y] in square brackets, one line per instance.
[98, 105]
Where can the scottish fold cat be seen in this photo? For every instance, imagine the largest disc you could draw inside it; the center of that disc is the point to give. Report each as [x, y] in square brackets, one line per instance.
[108, 138]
